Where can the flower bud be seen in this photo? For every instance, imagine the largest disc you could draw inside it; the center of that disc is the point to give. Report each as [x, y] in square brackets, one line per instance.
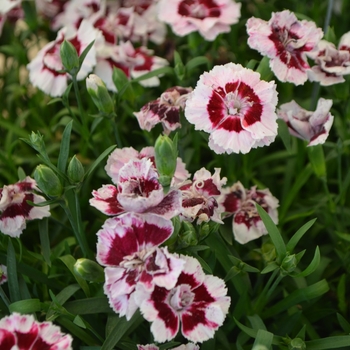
[47, 181]
[289, 264]
[268, 251]
[69, 57]
[89, 270]
[166, 157]
[297, 344]
[37, 142]
[188, 235]
[99, 94]
[75, 170]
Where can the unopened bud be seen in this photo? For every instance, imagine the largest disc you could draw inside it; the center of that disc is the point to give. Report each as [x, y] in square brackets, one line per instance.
[99, 94]
[37, 142]
[297, 344]
[289, 264]
[75, 170]
[188, 235]
[166, 158]
[47, 181]
[89, 270]
[69, 57]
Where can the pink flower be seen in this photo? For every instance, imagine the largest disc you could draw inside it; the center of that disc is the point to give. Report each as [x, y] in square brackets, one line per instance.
[165, 110]
[120, 156]
[138, 190]
[199, 196]
[286, 41]
[331, 63]
[15, 210]
[3, 274]
[209, 17]
[310, 126]
[236, 107]
[23, 332]
[45, 69]
[197, 300]
[128, 246]
[247, 224]
[189, 346]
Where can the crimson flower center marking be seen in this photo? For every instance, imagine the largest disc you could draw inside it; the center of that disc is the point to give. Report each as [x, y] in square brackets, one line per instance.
[181, 297]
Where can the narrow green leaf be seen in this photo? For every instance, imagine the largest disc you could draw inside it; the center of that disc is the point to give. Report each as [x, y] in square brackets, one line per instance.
[316, 157]
[99, 159]
[88, 306]
[313, 265]
[85, 52]
[263, 339]
[269, 267]
[344, 236]
[122, 83]
[343, 323]
[64, 148]
[54, 100]
[328, 343]
[197, 61]
[179, 68]
[154, 73]
[274, 233]
[341, 294]
[12, 278]
[231, 273]
[28, 306]
[45, 240]
[79, 322]
[284, 134]
[21, 174]
[256, 322]
[298, 235]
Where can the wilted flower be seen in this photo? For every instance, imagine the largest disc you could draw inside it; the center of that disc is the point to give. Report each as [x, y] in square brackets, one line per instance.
[197, 300]
[247, 224]
[23, 332]
[165, 110]
[286, 41]
[236, 107]
[310, 126]
[209, 18]
[15, 210]
[128, 246]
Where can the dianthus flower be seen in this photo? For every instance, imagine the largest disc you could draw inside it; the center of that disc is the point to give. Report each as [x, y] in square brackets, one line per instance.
[128, 247]
[208, 17]
[45, 70]
[3, 274]
[15, 210]
[165, 110]
[239, 202]
[197, 300]
[286, 41]
[236, 107]
[23, 332]
[138, 190]
[189, 346]
[331, 63]
[309, 126]
[199, 196]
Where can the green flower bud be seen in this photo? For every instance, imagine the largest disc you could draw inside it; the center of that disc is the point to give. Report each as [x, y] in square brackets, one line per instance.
[69, 57]
[297, 344]
[166, 158]
[47, 181]
[289, 264]
[75, 170]
[37, 142]
[268, 252]
[206, 228]
[188, 235]
[89, 270]
[99, 94]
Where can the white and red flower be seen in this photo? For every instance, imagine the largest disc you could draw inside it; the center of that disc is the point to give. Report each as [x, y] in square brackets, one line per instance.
[310, 126]
[15, 210]
[45, 70]
[128, 247]
[197, 301]
[23, 332]
[189, 346]
[239, 202]
[165, 110]
[3, 274]
[208, 17]
[286, 41]
[237, 108]
[331, 63]
[199, 197]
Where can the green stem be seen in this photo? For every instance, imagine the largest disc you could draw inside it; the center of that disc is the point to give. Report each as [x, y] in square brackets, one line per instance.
[4, 297]
[116, 133]
[263, 297]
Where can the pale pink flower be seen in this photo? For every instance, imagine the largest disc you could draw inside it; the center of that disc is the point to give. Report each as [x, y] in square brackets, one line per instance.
[8, 5]
[128, 247]
[208, 17]
[331, 63]
[239, 202]
[197, 301]
[310, 126]
[10, 10]
[236, 107]
[189, 346]
[45, 69]
[23, 332]
[3, 274]
[15, 210]
[199, 197]
[286, 41]
[165, 110]
[120, 156]
[50, 8]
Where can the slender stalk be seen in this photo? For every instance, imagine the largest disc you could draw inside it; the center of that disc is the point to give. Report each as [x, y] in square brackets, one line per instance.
[4, 297]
